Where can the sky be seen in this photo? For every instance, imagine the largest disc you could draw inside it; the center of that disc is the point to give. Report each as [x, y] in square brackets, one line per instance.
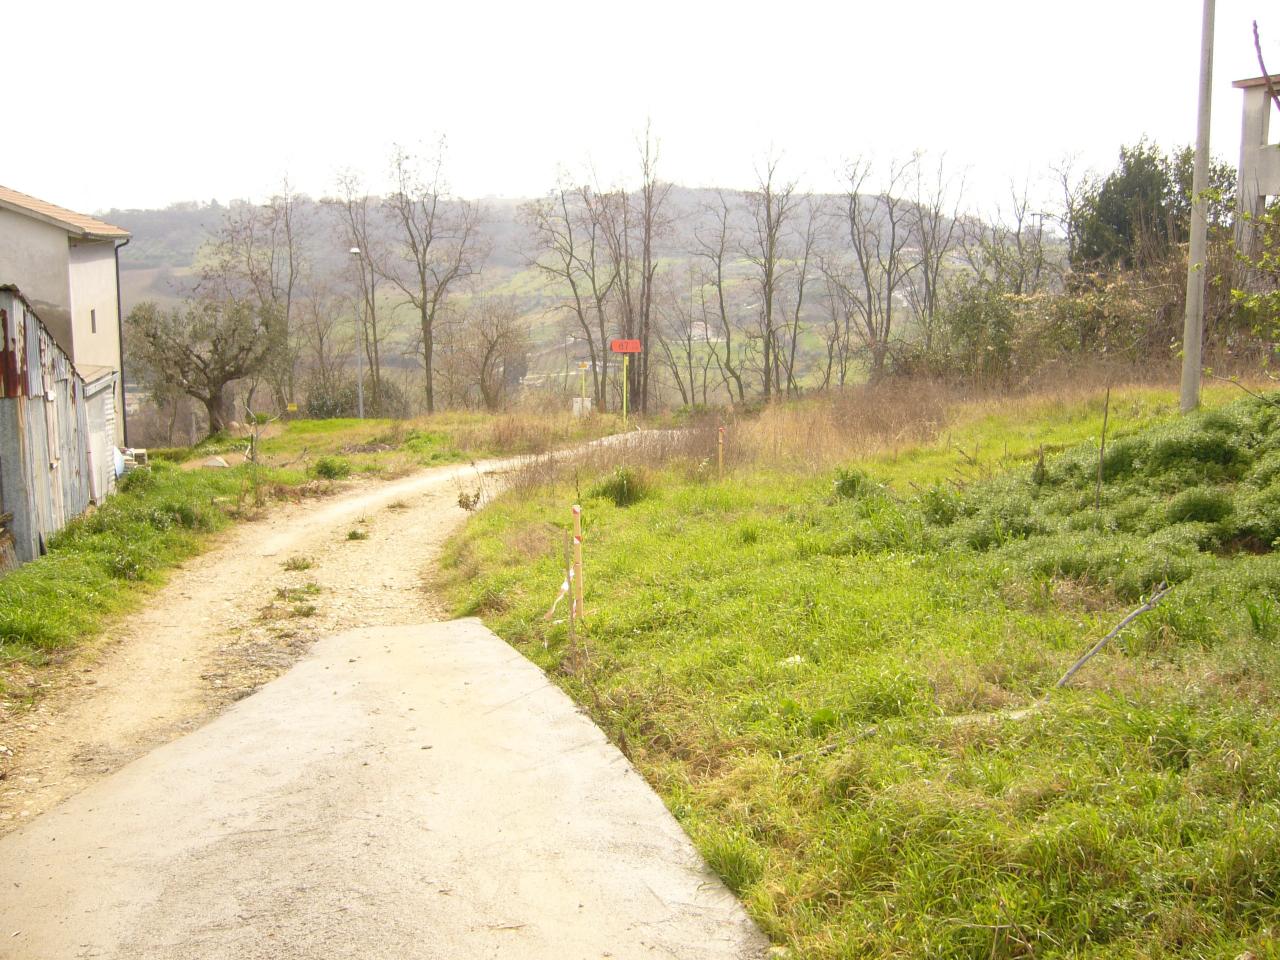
[137, 104]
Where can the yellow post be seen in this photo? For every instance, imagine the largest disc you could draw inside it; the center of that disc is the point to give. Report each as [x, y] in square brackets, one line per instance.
[625, 358]
[720, 454]
[579, 609]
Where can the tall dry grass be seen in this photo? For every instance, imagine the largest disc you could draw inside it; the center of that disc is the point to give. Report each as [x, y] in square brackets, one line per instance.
[824, 430]
[828, 429]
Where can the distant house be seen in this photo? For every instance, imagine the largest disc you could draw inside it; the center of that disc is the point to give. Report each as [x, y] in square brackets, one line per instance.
[67, 266]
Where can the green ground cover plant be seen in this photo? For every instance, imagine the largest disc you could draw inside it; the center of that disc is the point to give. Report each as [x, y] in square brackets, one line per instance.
[841, 681]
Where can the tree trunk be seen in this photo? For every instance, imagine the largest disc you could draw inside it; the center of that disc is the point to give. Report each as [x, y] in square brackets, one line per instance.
[218, 409]
[428, 351]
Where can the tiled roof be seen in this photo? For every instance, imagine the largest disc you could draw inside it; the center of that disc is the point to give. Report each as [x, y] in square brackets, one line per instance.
[76, 224]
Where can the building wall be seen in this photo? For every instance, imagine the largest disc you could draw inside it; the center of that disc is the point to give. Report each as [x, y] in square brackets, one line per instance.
[95, 312]
[35, 258]
[44, 432]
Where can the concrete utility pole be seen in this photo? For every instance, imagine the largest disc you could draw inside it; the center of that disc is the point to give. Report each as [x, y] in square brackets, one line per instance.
[1193, 325]
[355, 252]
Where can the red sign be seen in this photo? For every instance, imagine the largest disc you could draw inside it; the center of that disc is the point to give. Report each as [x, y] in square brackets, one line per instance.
[625, 346]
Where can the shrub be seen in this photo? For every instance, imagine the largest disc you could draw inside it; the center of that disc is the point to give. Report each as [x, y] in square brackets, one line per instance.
[941, 505]
[1200, 504]
[624, 486]
[332, 468]
[853, 484]
[136, 481]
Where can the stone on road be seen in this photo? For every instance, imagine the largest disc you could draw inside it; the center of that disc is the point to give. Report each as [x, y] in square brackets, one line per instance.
[403, 792]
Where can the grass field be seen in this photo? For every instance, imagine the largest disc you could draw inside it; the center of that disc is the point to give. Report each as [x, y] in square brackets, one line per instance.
[840, 677]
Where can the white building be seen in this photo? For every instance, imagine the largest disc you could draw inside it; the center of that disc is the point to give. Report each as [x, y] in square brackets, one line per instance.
[67, 266]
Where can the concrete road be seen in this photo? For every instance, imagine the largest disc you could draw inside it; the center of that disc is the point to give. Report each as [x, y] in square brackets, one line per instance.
[403, 792]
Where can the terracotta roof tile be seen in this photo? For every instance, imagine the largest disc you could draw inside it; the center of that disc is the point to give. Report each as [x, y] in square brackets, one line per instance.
[77, 224]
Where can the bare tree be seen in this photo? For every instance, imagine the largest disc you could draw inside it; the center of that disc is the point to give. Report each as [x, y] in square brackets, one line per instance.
[327, 346]
[1010, 251]
[572, 255]
[258, 253]
[497, 339]
[870, 273]
[804, 259]
[439, 247]
[683, 332]
[770, 207]
[358, 214]
[938, 228]
[838, 335]
[653, 224]
[715, 246]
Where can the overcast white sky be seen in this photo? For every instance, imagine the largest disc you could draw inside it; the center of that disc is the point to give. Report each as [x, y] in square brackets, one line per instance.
[143, 104]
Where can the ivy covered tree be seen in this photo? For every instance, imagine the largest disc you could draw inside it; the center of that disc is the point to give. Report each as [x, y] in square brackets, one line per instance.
[1144, 207]
[1258, 295]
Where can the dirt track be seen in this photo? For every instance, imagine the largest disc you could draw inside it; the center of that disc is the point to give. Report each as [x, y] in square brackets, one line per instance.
[217, 630]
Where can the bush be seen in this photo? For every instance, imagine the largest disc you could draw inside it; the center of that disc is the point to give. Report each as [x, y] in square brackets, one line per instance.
[138, 480]
[941, 505]
[852, 484]
[624, 486]
[1200, 504]
[332, 468]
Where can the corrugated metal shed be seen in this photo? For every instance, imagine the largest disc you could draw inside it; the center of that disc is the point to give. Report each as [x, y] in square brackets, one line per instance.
[45, 441]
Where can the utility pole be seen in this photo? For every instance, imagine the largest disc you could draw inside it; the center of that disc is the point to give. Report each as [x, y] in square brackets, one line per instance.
[355, 252]
[1193, 324]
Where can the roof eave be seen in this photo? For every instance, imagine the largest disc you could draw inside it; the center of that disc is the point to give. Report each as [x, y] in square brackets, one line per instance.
[78, 232]
[1256, 82]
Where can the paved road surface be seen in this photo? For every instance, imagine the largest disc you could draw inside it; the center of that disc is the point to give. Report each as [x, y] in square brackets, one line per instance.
[403, 792]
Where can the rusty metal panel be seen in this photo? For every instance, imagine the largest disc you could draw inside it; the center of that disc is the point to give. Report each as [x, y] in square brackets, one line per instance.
[44, 431]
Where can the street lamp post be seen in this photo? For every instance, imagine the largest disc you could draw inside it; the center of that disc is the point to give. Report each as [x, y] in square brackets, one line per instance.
[355, 252]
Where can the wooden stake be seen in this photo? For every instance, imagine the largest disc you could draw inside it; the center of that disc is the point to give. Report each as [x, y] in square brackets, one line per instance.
[568, 573]
[579, 609]
[720, 454]
[1102, 450]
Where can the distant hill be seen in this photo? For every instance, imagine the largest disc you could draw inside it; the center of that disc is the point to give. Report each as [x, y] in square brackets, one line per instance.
[156, 264]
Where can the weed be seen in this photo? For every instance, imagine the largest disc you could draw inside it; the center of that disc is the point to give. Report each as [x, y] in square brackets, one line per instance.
[308, 589]
[853, 484]
[332, 468]
[624, 487]
[298, 563]
[357, 535]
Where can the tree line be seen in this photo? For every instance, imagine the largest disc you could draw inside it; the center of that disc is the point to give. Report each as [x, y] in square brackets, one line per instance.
[736, 296]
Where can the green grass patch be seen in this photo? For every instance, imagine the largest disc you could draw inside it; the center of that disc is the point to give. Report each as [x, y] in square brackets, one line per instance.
[823, 675]
[103, 563]
[388, 447]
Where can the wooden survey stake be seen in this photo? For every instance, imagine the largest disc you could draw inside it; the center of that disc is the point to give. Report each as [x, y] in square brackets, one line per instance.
[578, 608]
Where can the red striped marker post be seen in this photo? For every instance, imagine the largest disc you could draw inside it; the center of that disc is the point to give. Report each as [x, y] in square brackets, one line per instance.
[579, 610]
